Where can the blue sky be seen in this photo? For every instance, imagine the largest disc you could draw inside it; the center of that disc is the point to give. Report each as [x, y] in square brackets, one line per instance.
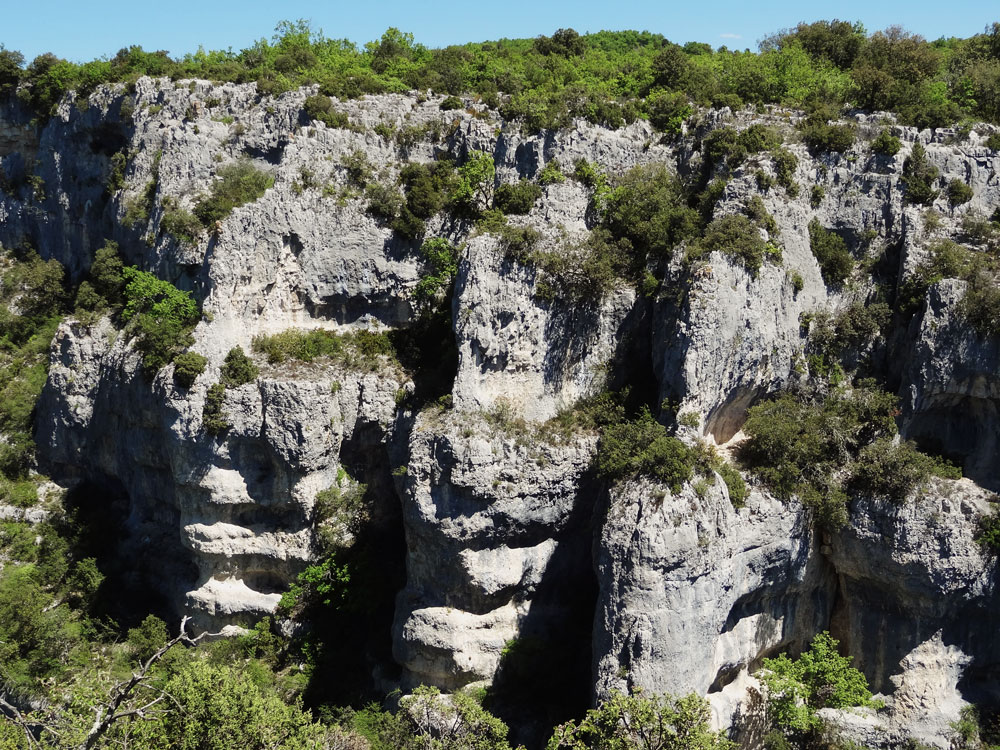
[82, 31]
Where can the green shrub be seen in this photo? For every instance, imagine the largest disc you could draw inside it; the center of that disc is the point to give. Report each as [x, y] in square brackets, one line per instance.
[886, 144]
[737, 237]
[187, 367]
[757, 212]
[450, 103]
[359, 169]
[785, 164]
[146, 639]
[830, 249]
[213, 416]
[238, 369]
[892, 471]
[163, 316]
[107, 273]
[384, 201]
[959, 193]
[819, 678]
[517, 198]
[239, 183]
[801, 447]
[734, 483]
[988, 534]
[643, 447]
[551, 173]
[822, 137]
[816, 196]
[918, 176]
[948, 260]
[180, 223]
[668, 110]
[442, 265]
[981, 303]
[639, 721]
[647, 207]
[993, 142]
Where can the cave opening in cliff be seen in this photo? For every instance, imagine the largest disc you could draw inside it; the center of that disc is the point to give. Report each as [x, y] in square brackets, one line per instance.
[352, 640]
[102, 523]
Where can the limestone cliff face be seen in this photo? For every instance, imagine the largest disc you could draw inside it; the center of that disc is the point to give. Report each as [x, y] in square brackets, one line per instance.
[509, 536]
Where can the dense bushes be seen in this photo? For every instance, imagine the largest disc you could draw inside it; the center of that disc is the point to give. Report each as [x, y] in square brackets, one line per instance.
[643, 447]
[737, 236]
[162, 315]
[631, 722]
[187, 367]
[238, 369]
[918, 177]
[819, 448]
[239, 183]
[517, 198]
[835, 260]
[819, 678]
[610, 78]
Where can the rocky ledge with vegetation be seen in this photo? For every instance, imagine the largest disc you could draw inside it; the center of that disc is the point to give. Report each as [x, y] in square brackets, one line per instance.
[657, 414]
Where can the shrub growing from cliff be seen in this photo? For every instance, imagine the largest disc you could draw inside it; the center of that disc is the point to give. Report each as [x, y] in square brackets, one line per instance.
[835, 260]
[238, 369]
[160, 313]
[918, 177]
[517, 198]
[736, 236]
[641, 722]
[643, 447]
[187, 368]
[819, 678]
[239, 183]
[364, 350]
[213, 415]
[820, 448]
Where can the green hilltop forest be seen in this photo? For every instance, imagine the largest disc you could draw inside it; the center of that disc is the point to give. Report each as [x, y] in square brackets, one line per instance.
[609, 78]
[75, 672]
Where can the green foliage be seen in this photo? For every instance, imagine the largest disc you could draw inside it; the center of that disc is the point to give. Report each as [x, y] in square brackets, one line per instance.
[958, 193]
[993, 142]
[238, 369]
[450, 103]
[441, 258]
[886, 144]
[163, 316]
[947, 260]
[918, 177]
[551, 173]
[239, 183]
[474, 189]
[785, 163]
[822, 137]
[835, 260]
[213, 416]
[988, 534]
[638, 722]
[818, 449]
[516, 198]
[149, 637]
[325, 583]
[893, 470]
[359, 169]
[819, 678]
[220, 707]
[646, 206]
[180, 222]
[609, 78]
[736, 236]
[735, 483]
[643, 448]
[363, 350]
[668, 110]
[187, 367]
